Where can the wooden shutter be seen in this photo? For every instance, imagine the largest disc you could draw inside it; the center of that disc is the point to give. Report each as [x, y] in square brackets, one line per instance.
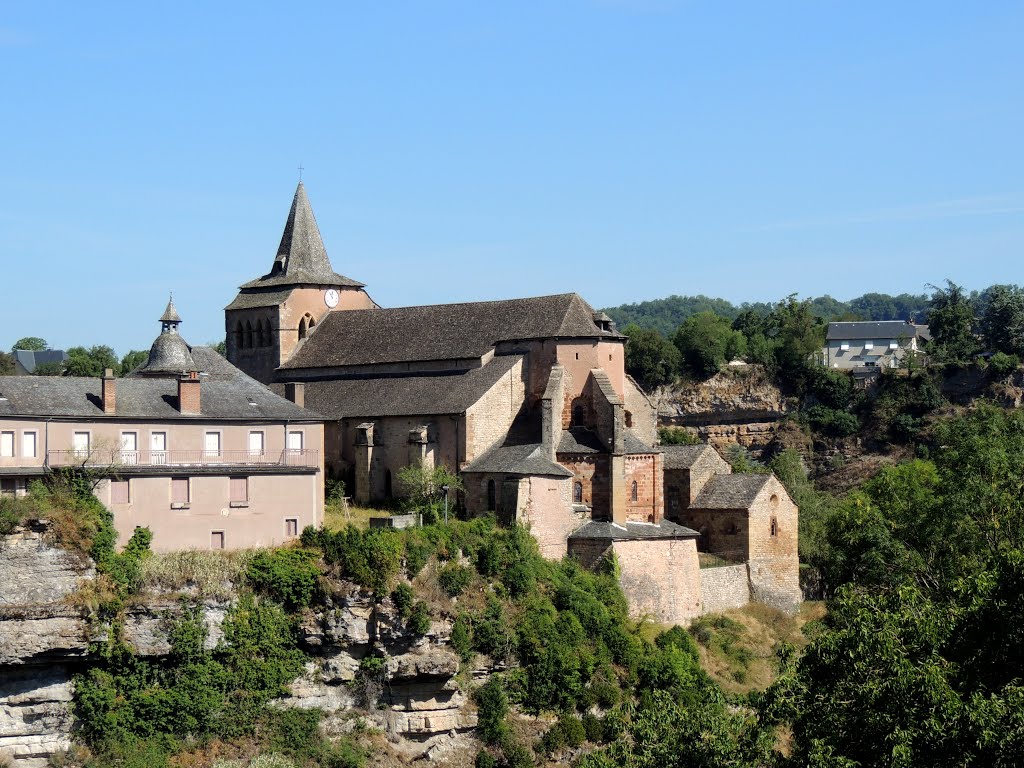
[239, 489]
[119, 492]
[179, 490]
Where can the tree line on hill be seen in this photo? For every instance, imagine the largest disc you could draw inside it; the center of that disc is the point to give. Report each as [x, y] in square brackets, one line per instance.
[693, 337]
[81, 361]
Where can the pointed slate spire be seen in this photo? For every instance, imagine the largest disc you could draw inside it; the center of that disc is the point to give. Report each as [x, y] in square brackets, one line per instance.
[170, 319]
[301, 256]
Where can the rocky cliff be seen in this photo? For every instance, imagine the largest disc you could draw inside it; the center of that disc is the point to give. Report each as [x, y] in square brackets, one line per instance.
[46, 628]
[738, 405]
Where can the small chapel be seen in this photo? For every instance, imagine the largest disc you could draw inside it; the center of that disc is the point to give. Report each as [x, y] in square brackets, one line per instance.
[526, 398]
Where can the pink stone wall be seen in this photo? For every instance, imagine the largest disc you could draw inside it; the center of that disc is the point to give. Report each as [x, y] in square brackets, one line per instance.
[661, 578]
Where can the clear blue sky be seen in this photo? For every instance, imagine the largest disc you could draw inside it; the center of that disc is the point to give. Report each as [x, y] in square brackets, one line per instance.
[624, 149]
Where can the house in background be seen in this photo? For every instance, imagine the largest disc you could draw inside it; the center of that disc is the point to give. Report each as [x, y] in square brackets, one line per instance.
[187, 445]
[881, 344]
[28, 361]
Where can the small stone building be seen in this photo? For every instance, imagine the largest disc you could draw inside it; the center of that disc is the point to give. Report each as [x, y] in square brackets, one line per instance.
[746, 520]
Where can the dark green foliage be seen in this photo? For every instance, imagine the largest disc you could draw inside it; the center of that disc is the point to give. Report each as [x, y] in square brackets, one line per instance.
[485, 760]
[371, 558]
[651, 359]
[593, 728]
[815, 506]
[453, 579]
[133, 360]
[742, 462]
[572, 729]
[1002, 322]
[462, 636]
[403, 597]
[290, 576]
[296, 733]
[833, 389]
[951, 322]
[832, 422]
[33, 343]
[1002, 365]
[417, 553]
[6, 364]
[706, 342]
[419, 618]
[222, 692]
[91, 362]
[492, 709]
[916, 396]
[676, 436]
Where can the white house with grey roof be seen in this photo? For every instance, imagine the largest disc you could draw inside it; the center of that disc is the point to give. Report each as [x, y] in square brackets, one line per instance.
[881, 344]
[187, 445]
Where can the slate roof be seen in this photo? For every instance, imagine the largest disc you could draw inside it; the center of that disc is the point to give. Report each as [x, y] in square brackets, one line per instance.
[268, 298]
[442, 331]
[666, 529]
[683, 456]
[226, 393]
[301, 257]
[406, 395]
[170, 354]
[736, 491]
[527, 459]
[30, 358]
[885, 329]
[170, 314]
[584, 440]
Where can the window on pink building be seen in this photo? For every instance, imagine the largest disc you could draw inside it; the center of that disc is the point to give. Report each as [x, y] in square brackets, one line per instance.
[119, 492]
[633, 493]
[179, 490]
[217, 540]
[239, 489]
[291, 527]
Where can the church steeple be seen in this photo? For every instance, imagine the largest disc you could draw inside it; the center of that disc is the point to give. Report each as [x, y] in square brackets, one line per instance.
[301, 257]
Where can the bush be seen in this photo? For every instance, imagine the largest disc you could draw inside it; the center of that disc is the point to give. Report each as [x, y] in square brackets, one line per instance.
[573, 731]
[453, 579]
[676, 436]
[1002, 365]
[403, 597]
[419, 618]
[832, 422]
[593, 727]
[289, 576]
[462, 637]
[492, 708]
[905, 428]
[371, 558]
[484, 760]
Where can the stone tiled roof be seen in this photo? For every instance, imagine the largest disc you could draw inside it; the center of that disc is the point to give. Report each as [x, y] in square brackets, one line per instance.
[170, 314]
[269, 298]
[301, 256]
[885, 329]
[584, 440]
[666, 529]
[683, 456]
[226, 393]
[442, 331]
[736, 491]
[169, 354]
[406, 395]
[527, 459]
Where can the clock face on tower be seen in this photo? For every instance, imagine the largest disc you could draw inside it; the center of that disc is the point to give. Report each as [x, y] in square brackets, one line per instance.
[331, 298]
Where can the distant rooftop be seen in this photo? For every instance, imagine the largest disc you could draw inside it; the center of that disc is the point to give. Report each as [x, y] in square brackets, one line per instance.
[884, 329]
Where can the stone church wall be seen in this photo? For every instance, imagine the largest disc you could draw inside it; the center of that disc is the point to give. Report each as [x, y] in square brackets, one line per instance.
[549, 514]
[774, 560]
[489, 418]
[644, 470]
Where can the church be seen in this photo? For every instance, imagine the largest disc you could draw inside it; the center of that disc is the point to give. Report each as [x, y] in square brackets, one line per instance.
[528, 399]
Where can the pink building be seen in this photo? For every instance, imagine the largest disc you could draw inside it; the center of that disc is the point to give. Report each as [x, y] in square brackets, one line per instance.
[189, 446]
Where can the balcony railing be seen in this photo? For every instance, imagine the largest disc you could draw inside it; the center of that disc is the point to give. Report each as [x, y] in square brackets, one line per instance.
[153, 458]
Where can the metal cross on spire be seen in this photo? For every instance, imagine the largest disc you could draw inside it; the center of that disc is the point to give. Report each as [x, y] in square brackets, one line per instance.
[301, 169]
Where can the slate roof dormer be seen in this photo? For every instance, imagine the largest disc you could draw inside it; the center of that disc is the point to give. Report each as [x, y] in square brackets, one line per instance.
[301, 257]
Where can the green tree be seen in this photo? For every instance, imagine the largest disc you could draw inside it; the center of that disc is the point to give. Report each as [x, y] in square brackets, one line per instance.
[799, 337]
[31, 342]
[951, 323]
[424, 487]
[91, 362]
[650, 358]
[706, 341]
[133, 360]
[6, 364]
[1002, 324]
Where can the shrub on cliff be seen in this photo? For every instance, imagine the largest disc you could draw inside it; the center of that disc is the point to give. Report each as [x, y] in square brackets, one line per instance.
[290, 576]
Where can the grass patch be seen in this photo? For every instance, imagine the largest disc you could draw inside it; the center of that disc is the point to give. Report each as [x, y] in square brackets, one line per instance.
[214, 574]
[337, 515]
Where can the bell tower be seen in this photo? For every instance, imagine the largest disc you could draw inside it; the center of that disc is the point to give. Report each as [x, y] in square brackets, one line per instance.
[272, 315]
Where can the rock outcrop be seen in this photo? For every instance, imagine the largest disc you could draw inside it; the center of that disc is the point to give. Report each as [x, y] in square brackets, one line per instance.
[738, 405]
[409, 691]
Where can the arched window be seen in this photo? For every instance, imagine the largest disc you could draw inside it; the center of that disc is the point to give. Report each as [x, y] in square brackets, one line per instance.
[577, 492]
[387, 484]
[633, 492]
[302, 329]
[492, 496]
[266, 332]
[248, 334]
[577, 416]
[239, 335]
[775, 527]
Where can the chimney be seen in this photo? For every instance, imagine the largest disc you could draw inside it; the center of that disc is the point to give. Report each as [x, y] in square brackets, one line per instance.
[296, 392]
[188, 394]
[108, 393]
